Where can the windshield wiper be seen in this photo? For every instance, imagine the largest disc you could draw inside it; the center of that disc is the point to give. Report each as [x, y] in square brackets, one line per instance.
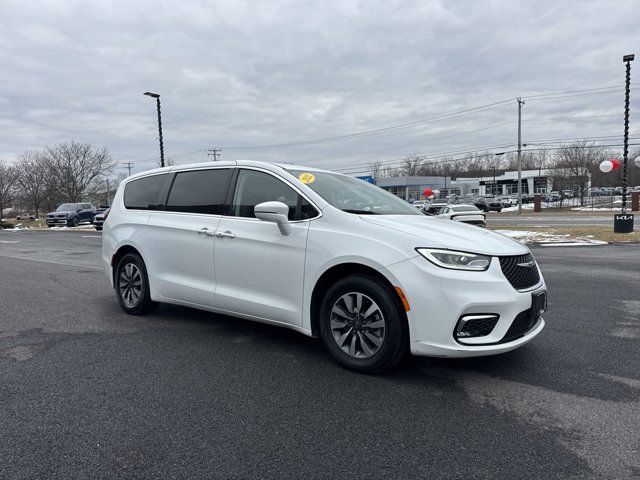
[360, 212]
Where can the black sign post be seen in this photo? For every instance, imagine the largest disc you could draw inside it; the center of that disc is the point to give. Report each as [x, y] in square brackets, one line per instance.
[623, 222]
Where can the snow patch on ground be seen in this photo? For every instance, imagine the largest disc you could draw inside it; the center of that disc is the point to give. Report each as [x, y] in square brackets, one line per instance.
[547, 238]
[525, 206]
[79, 227]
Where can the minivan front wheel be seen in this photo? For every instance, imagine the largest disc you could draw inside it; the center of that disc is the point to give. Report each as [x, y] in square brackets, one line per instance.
[362, 324]
[132, 285]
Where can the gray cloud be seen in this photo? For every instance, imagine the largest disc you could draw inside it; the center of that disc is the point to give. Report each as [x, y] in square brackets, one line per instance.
[237, 74]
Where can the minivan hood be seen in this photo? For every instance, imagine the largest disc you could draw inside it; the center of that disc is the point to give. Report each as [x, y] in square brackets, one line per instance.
[444, 233]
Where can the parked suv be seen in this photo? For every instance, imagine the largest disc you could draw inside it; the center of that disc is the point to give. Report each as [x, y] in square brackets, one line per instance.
[324, 254]
[101, 213]
[71, 215]
[488, 204]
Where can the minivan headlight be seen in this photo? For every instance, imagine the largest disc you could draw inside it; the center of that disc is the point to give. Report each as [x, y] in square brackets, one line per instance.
[455, 260]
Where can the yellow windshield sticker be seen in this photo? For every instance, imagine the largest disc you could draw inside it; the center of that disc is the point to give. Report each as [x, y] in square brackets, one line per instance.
[307, 177]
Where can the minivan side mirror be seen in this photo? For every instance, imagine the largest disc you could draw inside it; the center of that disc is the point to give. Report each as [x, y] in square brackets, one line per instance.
[276, 212]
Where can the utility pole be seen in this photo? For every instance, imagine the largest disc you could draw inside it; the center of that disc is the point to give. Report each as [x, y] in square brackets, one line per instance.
[495, 165]
[520, 103]
[214, 152]
[128, 165]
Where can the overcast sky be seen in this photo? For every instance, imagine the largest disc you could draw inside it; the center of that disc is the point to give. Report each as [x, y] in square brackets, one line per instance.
[248, 74]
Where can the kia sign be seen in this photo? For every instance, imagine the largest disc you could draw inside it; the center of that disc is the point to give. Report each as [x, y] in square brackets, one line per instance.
[623, 223]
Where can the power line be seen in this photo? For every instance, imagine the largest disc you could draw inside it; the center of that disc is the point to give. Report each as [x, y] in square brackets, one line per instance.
[529, 97]
[486, 107]
[476, 152]
[371, 132]
[452, 160]
[414, 143]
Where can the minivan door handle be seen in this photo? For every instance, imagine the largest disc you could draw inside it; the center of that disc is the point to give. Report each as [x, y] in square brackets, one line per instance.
[226, 234]
[205, 231]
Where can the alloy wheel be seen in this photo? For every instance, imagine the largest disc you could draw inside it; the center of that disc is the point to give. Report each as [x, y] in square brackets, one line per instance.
[130, 285]
[357, 325]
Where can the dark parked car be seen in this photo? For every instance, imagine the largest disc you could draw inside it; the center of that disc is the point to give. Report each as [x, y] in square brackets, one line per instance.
[488, 204]
[71, 215]
[101, 215]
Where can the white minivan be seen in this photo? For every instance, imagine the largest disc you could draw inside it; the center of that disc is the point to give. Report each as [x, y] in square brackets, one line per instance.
[325, 254]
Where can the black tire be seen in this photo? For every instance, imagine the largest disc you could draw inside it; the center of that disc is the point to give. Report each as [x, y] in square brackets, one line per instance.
[396, 333]
[91, 221]
[143, 304]
[99, 229]
[74, 222]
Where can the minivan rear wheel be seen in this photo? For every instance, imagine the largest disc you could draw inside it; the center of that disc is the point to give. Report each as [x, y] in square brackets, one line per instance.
[132, 285]
[363, 325]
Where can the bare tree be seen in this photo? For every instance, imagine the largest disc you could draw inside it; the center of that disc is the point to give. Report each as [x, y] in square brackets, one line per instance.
[375, 168]
[7, 184]
[75, 166]
[32, 175]
[411, 165]
[575, 162]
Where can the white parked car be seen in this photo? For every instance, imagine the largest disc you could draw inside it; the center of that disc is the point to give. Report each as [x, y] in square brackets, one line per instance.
[324, 254]
[464, 213]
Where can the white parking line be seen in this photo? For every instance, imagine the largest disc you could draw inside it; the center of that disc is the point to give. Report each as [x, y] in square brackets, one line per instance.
[9, 241]
[91, 236]
[51, 261]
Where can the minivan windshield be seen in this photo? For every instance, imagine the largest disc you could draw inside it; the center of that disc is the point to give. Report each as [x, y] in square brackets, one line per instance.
[353, 195]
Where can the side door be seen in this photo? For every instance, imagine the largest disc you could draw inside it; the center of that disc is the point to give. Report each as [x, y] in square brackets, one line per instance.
[87, 212]
[260, 271]
[181, 236]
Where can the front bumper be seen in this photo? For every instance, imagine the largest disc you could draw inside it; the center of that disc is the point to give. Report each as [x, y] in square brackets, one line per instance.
[56, 221]
[438, 297]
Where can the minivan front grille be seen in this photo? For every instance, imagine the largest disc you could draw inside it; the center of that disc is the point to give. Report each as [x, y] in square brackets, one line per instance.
[520, 270]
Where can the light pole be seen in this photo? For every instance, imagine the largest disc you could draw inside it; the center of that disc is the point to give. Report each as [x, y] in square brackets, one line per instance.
[495, 165]
[623, 222]
[157, 97]
[520, 103]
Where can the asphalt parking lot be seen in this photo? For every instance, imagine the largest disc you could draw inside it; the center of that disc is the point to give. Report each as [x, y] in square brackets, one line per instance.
[89, 392]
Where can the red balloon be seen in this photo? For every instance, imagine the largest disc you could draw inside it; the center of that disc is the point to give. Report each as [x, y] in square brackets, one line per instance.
[427, 192]
[616, 163]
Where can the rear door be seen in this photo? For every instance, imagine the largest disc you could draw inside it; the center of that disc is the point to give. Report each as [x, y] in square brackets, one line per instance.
[181, 236]
[260, 271]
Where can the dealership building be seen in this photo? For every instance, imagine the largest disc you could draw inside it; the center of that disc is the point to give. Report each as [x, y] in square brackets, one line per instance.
[411, 188]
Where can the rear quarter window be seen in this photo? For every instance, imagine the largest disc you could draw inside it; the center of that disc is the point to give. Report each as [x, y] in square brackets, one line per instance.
[144, 193]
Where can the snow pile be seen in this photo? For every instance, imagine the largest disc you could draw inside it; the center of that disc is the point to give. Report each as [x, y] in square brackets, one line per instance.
[546, 238]
[79, 227]
[596, 209]
[527, 236]
[525, 206]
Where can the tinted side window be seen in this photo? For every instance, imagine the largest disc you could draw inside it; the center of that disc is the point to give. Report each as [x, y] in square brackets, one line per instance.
[142, 194]
[253, 187]
[199, 191]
